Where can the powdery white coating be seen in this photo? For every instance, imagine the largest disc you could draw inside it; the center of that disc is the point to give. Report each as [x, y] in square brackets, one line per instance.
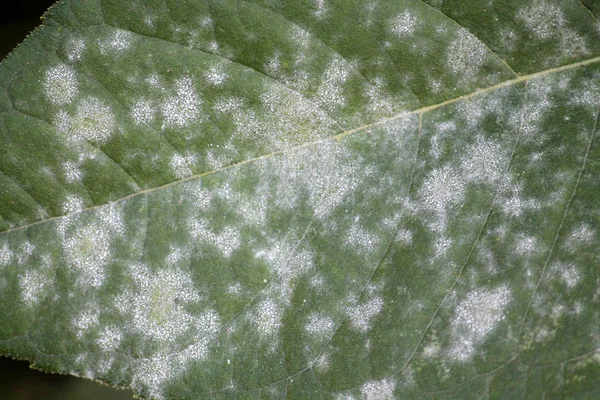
[226, 241]
[443, 188]
[358, 236]
[156, 303]
[32, 284]
[466, 55]
[215, 77]
[184, 107]
[525, 245]
[403, 24]
[87, 243]
[119, 41]
[328, 173]
[475, 317]
[93, 120]
[544, 19]
[484, 162]
[181, 165]
[378, 390]
[405, 236]
[330, 93]
[85, 321]
[360, 316]
[582, 235]
[267, 317]
[60, 84]
[143, 112]
[5, 255]
[109, 338]
[74, 49]
[514, 205]
[319, 325]
[72, 172]
[73, 204]
[568, 273]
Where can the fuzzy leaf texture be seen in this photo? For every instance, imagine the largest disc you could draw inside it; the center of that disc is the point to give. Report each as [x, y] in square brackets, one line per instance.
[328, 199]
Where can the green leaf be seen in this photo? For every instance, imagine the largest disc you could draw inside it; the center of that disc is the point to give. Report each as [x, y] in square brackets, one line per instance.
[320, 199]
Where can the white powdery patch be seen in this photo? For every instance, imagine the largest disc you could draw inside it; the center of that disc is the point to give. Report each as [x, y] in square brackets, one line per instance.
[61, 84]
[156, 304]
[543, 19]
[484, 162]
[319, 325]
[85, 321]
[443, 188]
[184, 107]
[226, 241]
[72, 204]
[5, 255]
[403, 24]
[74, 49]
[119, 41]
[33, 284]
[93, 120]
[110, 338]
[287, 263]
[215, 77]
[143, 112]
[568, 273]
[181, 165]
[358, 236]
[476, 316]
[466, 55]
[583, 235]
[267, 317]
[378, 390]
[87, 244]
[330, 93]
[328, 172]
[72, 172]
[360, 315]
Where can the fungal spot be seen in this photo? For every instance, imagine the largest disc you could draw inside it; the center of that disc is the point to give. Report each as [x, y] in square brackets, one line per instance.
[85, 321]
[93, 121]
[360, 315]
[143, 112]
[267, 317]
[119, 41]
[319, 325]
[568, 274]
[5, 255]
[72, 172]
[226, 241]
[72, 204]
[215, 77]
[378, 390]
[110, 338]
[61, 84]
[330, 93]
[476, 316]
[466, 55]
[184, 107]
[403, 24]
[32, 285]
[181, 165]
[74, 49]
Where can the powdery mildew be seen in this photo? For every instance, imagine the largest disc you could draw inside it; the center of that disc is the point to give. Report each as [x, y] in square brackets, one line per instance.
[378, 390]
[74, 49]
[319, 325]
[93, 121]
[466, 55]
[361, 313]
[404, 24]
[61, 84]
[5, 255]
[182, 108]
[143, 112]
[33, 284]
[475, 317]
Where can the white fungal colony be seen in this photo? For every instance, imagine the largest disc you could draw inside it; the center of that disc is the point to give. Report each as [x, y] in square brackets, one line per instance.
[378, 390]
[143, 112]
[404, 24]
[475, 317]
[5, 255]
[32, 285]
[87, 243]
[184, 107]
[319, 325]
[93, 121]
[466, 55]
[61, 84]
[157, 303]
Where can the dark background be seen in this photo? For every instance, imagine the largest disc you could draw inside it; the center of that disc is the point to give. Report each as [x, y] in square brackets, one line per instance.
[17, 380]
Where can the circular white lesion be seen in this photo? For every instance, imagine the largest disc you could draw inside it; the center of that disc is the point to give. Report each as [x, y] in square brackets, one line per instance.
[60, 84]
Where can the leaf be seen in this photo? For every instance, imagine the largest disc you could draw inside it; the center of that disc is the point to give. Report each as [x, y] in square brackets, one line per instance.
[263, 199]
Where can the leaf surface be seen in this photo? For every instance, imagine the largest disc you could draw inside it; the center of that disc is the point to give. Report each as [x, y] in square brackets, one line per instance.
[288, 199]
